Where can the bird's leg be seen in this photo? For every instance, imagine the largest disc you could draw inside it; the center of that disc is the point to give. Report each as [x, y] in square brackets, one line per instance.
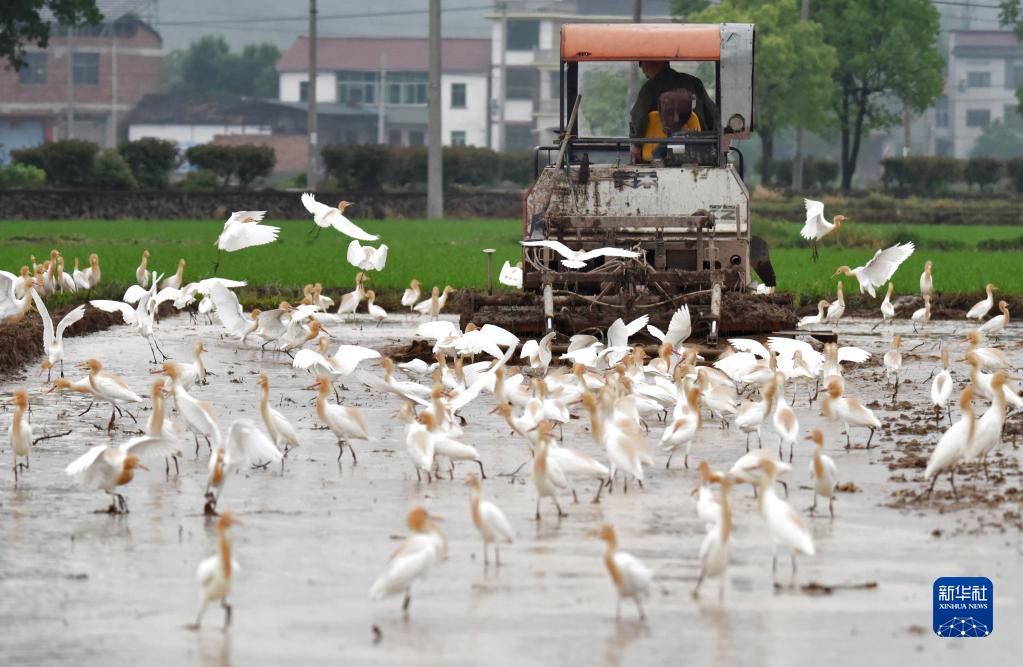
[157, 344]
[600, 487]
[747, 443]
[642, 616]
[561, 513]
[813, 507]
[785, 486]
[482, 474]
[198, 617]
[699, 581]
[668, 463]
[48, 372]
[831, 505]
[110, 425]
[340, 450]
[791, 445]
[952, 482]
[87, 409]
[196, 445]
[405, 604]
[451, 469]
[131, 415]
[774, 568]
[870, 437]
[153, 352]
[419, 475]
[618, 609]
[793, 556]
[209, 445]
[848, 441]
[781, 450]
[486, 557]
[575, 498]
[538, 508]
[760, 443]
[337, 396]
[685, 461]
[497, 554]
[351, 450]
[227, 613]
[984, 461]
[177, 470]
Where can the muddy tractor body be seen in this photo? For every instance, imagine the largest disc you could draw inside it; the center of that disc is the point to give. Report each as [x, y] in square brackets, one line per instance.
[686, 211]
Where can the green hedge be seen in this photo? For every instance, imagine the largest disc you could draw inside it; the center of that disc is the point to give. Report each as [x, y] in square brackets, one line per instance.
[150, 160]
[921, 175]
[371, 166]
[244, 163]
[21, 176]
[111, 172]
[67, 163]
[816, 172]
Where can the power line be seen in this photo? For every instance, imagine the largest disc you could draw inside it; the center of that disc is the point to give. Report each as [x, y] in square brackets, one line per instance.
[324, 17]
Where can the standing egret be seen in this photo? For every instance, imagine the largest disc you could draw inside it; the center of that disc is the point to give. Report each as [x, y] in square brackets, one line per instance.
[629, 575]
[142, 272]
[954, 444]
[980, 309]
[19, 435]
[714, 548]
[215, 573]
[411, 294]
[786, 527]
[823, 471]
[413, 559]
[489, 520]
[926, 280]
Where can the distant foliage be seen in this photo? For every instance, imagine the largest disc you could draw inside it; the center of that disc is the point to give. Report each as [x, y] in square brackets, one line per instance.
[816, 173]
[207, 67]
[373, 167]
[921, 175]
[1001, 139]
[111, 172]
[982, 172]
[202, 179]
[151, 161]
[244, 163]
[605, 106]
[67, 163]
[15, 176]
[1014, 168]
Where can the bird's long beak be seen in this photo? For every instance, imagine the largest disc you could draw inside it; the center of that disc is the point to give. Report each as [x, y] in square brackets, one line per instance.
[315, 385]
[592, 532]
[434, 517]
[142, 466]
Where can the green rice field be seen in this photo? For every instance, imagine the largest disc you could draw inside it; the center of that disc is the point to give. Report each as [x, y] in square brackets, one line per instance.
[449, 252]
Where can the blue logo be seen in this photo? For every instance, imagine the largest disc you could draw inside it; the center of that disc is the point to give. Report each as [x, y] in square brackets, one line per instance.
[964, 607]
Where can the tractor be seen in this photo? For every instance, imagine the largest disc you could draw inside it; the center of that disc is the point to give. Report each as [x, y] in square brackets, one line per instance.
[685, 212]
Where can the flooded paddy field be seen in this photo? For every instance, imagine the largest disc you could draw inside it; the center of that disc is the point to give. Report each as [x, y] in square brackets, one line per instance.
[79, 587]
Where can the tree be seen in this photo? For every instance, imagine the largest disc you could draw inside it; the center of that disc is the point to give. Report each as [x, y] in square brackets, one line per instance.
[1011, 14]
[683, 9]
[792, 66]
[207, 67]
[604, 102]
[888, 62]
[1002, 139]
[22, 22]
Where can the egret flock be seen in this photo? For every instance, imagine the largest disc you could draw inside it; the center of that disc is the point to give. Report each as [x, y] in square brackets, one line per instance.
[636, 407]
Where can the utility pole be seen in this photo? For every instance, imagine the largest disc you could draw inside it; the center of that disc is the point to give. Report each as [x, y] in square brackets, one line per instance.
[797, 163]
[70, 83]
[381, 139]
[502, 86]
[434, 158]
[310, 174]
[113, 88]
[637, 16]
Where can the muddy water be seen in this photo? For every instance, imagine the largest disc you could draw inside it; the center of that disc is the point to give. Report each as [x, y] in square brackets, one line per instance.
[77, 587]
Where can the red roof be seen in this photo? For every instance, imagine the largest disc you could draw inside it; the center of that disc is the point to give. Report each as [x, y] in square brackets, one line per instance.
[406, 54]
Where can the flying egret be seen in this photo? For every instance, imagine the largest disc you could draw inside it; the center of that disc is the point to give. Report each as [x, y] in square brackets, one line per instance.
[329, 216]
[511, 275]
[53, 341]
[576, 259]
[816, 226]
[367, 257]
[106, 467]
[879, 269]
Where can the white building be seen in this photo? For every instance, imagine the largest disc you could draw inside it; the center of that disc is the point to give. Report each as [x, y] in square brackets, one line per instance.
[353, 71]
[531, 57]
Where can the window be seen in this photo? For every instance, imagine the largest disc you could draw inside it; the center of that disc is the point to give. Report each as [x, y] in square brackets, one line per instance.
[415, 138]
[458, 96]
[457, 138]
[523, 35]
[356, 87]
[941, 112]
[978, 117]
[34, 71]
[522, 84]
[978, 79]
[1013, 74]
[518, 137]
[407, 87]
[303, 91]
[86, 69]
[394, 137]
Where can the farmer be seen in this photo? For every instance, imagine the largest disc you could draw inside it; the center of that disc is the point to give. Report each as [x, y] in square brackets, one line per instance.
[661, 79]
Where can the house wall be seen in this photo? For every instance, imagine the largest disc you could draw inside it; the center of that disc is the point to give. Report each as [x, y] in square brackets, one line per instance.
[473, 118]
[192, 135]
